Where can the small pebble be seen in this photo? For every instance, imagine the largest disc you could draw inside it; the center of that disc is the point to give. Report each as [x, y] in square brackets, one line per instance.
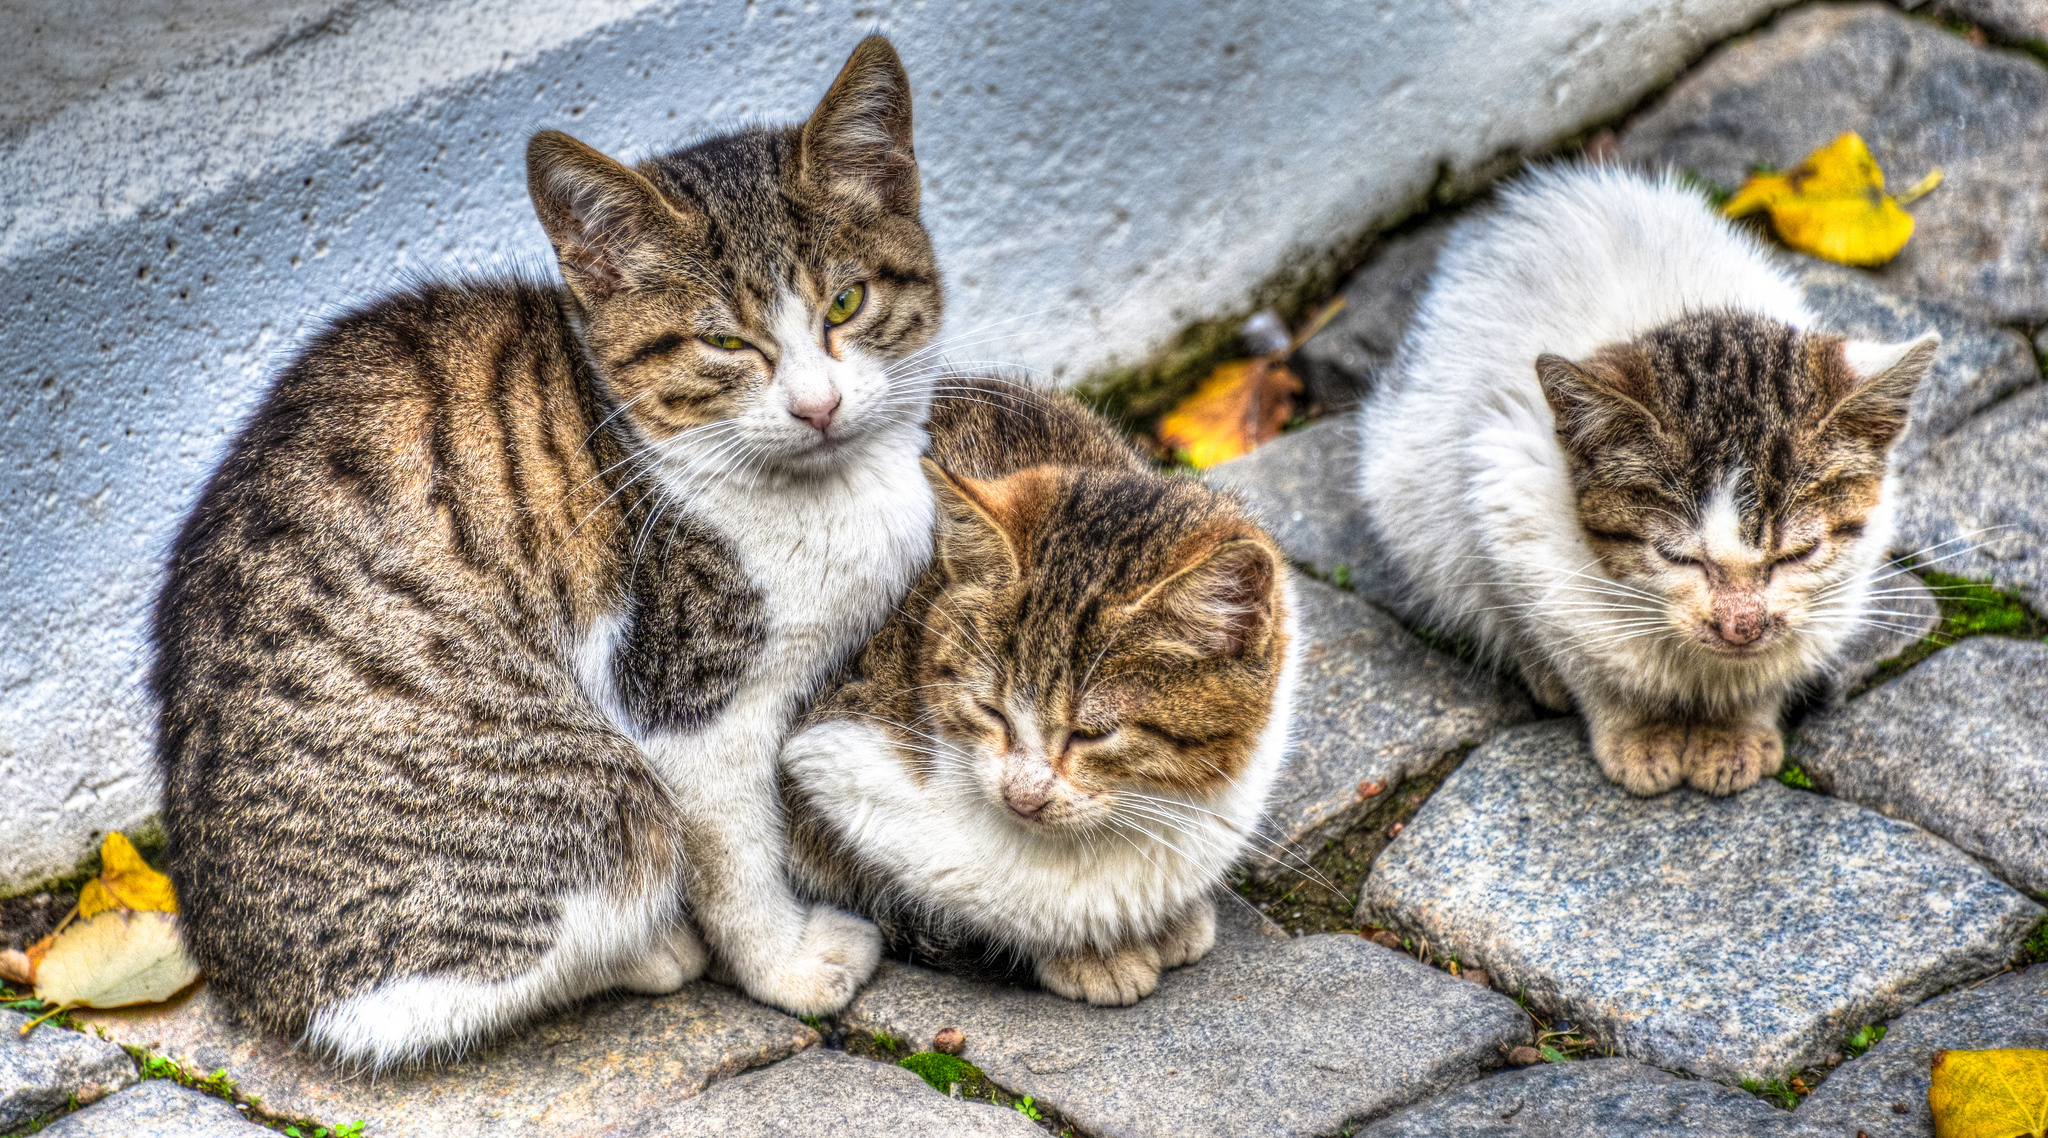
[1901, 1108]
[1369, 788]
[1524, 1057]
[949, 1040]
[1477, 976]
[1385, 939]
[1394, 831]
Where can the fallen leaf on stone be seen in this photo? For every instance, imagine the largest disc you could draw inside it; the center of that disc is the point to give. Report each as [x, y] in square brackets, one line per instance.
[1990, 1094]
[1833, 204]
[125, 882]
[115, 959]
[1241, 405]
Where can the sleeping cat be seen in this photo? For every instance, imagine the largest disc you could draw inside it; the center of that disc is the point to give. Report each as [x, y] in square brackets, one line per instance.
[1066, 736]
[1614, 454]
[476, 653]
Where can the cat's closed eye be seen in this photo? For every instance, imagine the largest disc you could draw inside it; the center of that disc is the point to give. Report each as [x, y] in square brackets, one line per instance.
[1796, 556]
[1087, 735]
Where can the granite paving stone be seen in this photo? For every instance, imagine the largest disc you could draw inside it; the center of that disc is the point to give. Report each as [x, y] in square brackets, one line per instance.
[2005, 1011]
[1267, 1035]
[1922, 97]
[1958, 746]
[588, 1070]
[1373, 705]
[40, 1071]
[158, 1108]
[1731, 937]
[1592, 1098]
[1975, 498]
[1303, 487]
[830, 1094]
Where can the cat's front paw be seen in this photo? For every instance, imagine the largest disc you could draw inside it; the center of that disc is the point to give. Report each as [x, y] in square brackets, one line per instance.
[1188, 937]
[1645, 759]
[838, 953]
[1727, 759]
[1113, 979]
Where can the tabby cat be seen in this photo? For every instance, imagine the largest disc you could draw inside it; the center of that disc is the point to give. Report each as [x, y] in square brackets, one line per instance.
[476, 653]
[1616, 453]
[1066, 736]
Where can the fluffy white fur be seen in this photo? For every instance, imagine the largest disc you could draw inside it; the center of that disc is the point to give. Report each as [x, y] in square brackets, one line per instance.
[1469, 490]
[956, 847]
[832, 533]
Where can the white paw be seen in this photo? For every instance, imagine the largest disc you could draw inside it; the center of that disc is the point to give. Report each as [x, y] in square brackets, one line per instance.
[1122, 977]
[838, 953]
[677, 960]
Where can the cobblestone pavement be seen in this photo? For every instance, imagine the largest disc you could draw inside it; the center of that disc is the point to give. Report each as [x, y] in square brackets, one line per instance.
[1664, 950]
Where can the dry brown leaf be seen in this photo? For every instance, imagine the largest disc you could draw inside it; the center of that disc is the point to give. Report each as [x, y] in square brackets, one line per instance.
[1833, 204]
[113, 960]
[1242, 404]
[1990, 1094]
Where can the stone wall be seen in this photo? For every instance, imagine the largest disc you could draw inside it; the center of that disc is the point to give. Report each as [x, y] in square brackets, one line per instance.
[191, 186]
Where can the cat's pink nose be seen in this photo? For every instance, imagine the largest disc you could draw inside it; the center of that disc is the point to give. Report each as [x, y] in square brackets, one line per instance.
[1740, 621]
[817, 412]
[1027, 802]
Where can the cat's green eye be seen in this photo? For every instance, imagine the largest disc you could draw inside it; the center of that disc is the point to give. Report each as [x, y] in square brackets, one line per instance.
[729, 343]
[845, 305]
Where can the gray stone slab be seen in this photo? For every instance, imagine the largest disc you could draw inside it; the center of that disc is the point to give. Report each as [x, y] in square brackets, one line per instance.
[1303, 487]
[589, 1070]
[1975, 498]
[830, 1094]
[1958, 745]
[1593, 1098]
[2005, 1011]
[40, 1071]
[1267, 1035]
[1344, 361]
[157, 1109]
[1921, 97]
[1730, 937]
[1373, 705]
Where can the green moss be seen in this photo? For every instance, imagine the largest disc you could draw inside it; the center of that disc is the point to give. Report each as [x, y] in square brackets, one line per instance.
[221, 1085]
[1319, 898]
[2034, 949]
[1794, 776]
[1968, 608]
[941, 1070]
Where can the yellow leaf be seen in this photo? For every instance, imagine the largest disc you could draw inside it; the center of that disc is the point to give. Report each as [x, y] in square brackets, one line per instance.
[1242, 404]
[1832, 205]
[125, 882]
[113, 960]
[1990, 1094]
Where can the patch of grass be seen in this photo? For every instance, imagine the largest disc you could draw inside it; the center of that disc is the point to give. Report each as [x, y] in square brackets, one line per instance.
[1785, 1094]
[1862, 1039]
[1321, 897]
[943, 1072]
[1968, 608]
[221, 1085]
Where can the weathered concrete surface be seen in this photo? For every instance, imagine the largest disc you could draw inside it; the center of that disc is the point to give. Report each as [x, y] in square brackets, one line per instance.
[158, 1109]
[830, 1094]
[2005, 1011]
[1373, 705]
[1593, 1098]
[41, 1071]
[1921, 97]
[1957, 746]
[1975, 498]
[1734, 937]
[183, 204]
[1267, 1035]
[589, 1070]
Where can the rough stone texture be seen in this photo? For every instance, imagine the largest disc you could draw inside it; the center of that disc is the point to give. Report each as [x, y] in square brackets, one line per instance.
[1958, 746]
[1267, 1035]
[194, 182]
[2008, 21]
[1979, 491]
[2005, 1011]
[1921, 97]
[1593, 1098]
[1344, 361]
[158, 1109]
[40, 1072]
[830, 1094]
[1373, 704]
[1730, 937]
[588, 1070]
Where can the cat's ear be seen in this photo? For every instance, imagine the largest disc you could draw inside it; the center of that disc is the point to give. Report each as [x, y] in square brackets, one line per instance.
[974, 539]
[1868, 395]
[610, 227]
[1221, 602]
[1610, 394]
[857, 143]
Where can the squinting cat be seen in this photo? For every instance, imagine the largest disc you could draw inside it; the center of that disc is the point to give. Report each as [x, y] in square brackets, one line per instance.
[1614, 453]
[1066, 736]
[475, 655]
